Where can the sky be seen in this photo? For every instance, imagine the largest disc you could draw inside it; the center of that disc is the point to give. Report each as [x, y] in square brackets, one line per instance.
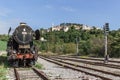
[43, 13]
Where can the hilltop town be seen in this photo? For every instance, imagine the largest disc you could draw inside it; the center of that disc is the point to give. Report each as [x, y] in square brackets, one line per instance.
[66, 26]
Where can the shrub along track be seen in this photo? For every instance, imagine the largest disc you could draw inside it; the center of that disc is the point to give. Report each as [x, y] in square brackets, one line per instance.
[91, 71]
[29, 74]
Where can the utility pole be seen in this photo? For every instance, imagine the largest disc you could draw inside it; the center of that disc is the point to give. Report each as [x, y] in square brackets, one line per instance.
[106, 31]
[77, 44]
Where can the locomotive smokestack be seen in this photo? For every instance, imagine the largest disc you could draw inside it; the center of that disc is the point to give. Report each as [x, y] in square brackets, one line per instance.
[22, 23]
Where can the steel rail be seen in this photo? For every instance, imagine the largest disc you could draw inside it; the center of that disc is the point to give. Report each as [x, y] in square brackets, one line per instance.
[41, 74]
[92, 59]
[16, 74]
[91, 63]
[73, 67]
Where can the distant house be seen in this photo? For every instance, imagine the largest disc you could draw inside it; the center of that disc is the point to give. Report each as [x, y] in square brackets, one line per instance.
[66, 26]
[85, 27]
[77, 27]
[42, 39]
[49, 29]
[57, 28]
[66, 29]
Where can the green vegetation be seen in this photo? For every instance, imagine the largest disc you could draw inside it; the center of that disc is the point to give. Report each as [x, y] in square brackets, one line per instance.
[3, 38]
[83, 56]
[3, 67]
[39, 66]
[3, 42]
[91, 42]
[3, 45]
[3, 73]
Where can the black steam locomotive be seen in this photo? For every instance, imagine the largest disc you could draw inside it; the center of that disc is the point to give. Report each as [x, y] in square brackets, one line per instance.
[20, 47]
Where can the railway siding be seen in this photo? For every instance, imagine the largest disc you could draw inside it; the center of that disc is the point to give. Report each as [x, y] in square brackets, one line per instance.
[95, 72]
[57, 72]
[100, 66]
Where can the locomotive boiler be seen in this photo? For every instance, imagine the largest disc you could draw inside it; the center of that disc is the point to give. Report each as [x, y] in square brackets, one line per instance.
[20, 47]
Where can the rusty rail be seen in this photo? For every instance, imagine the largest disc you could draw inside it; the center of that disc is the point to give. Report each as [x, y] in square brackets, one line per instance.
[92, 59]
[89, 62]
[41, 74]
[106, 72]
[16, 74]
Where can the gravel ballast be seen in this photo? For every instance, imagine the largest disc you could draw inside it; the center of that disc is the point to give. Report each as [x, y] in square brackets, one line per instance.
[56, 72]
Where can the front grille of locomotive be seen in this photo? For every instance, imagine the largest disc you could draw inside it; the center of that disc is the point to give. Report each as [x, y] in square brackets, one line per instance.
[24, 51]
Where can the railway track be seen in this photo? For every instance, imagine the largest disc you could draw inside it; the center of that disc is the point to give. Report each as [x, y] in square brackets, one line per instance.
[90, 62]
[29, 74]
[104, 75]
[112, 61]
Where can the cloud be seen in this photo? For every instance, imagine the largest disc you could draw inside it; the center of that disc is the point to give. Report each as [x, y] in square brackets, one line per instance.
[13, 23]
[6, 24]
[4, 12]
[3, 27]
[68, 9]
[64, 8]
[48, 6]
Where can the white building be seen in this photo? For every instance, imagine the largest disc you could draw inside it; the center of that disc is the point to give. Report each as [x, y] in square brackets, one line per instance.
[85, 27]
[66, 29]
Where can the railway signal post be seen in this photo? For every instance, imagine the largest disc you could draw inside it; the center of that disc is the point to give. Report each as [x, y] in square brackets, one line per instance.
[77, 46]
[106, 31]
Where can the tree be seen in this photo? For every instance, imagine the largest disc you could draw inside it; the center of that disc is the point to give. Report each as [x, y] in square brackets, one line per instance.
[115, 45]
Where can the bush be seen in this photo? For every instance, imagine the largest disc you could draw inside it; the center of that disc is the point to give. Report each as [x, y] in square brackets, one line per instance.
[69, 48]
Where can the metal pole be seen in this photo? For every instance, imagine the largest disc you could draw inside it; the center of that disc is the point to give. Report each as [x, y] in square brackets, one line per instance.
[77, 51]
[106, 50]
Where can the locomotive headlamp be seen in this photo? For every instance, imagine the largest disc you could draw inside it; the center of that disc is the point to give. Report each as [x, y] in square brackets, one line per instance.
[14, 51]
[33, 52]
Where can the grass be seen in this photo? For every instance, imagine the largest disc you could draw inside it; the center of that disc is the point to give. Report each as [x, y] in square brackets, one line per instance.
[83, 56]
[39, 66]
[3, 72]
[3, 67]
[3, 45]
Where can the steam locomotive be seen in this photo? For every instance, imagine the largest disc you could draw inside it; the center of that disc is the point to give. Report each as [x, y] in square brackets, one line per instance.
[20, 47]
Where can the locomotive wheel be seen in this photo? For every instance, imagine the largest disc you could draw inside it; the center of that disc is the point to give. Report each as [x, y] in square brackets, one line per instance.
[15, 63]
[32, 62]
[24, 63]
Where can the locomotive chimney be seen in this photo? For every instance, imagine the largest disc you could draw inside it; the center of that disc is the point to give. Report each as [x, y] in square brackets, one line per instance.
[22, 23]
